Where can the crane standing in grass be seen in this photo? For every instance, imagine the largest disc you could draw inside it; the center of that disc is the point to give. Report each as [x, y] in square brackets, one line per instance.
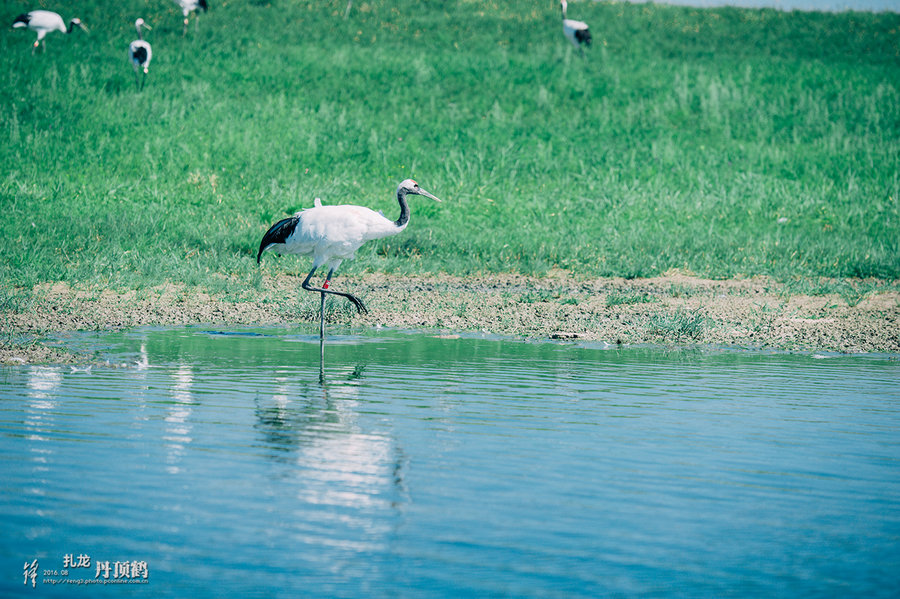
[43, 22]
[576, 32]
[332, 234]
[140, 53]
[189, 6]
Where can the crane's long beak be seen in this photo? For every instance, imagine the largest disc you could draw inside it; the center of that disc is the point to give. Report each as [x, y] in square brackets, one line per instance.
[147, 27]
[422, 192]
[83, 27]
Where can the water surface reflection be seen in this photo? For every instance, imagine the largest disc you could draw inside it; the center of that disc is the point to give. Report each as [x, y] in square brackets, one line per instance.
[421, 466]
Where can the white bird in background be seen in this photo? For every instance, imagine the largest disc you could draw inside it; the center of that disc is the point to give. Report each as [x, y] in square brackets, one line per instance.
[43, 22]
[332, 234]
[576, 32]
[189, 6]
[140, 54]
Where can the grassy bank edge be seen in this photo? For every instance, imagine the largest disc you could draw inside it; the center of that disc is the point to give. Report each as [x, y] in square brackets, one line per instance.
[677, 309]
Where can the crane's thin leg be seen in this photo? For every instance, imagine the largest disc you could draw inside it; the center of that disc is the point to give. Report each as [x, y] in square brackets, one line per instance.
[184, 31]
[360, 307]
[35, 47]
[322, 318]
[322, 361]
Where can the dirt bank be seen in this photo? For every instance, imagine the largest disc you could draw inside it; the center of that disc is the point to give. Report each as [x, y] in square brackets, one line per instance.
[675, 309]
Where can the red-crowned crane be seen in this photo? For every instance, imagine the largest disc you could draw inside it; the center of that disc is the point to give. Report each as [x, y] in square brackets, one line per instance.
[43, 22]
[332, 234]
[576, 32]
[189, 6]
[140, 53]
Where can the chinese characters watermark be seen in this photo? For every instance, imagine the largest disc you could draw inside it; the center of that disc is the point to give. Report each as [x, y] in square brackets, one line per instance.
[105, 571]
[124, 569]
[31, 572]
[84, 561]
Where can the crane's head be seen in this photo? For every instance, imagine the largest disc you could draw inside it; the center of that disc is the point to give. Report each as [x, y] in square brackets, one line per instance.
[140, 23]
[410, 186]
[76, 22]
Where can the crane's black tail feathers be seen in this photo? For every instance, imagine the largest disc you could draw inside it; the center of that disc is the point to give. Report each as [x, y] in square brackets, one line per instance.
[583, 36]
[23, 18]
[140, 55]
[277, 233]
[203, 5]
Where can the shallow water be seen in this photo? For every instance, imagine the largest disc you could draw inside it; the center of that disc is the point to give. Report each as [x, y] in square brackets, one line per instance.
[428, 467]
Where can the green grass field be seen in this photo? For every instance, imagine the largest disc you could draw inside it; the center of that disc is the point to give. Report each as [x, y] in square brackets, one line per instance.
[723, 142]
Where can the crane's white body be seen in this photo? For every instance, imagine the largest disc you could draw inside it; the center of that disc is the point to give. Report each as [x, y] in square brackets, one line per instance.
[140, 53]
[140, 60]
[332, 234]
[571, 29]
[576, 32]
[43, 22]
[189, 6]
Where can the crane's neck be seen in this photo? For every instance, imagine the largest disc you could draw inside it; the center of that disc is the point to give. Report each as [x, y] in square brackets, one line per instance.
[404, 210]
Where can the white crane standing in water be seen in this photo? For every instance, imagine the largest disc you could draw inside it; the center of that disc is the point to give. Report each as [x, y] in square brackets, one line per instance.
[43, 22]
[189, 6]
[140, 53]
[576, 32]
[332, 234]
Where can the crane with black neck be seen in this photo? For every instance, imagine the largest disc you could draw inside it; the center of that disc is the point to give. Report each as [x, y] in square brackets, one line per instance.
[332, 234]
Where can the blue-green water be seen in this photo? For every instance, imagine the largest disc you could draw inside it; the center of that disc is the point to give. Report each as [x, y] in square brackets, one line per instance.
[429, 467]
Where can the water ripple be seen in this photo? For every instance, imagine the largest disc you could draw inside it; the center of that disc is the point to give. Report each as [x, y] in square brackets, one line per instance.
[441, 467]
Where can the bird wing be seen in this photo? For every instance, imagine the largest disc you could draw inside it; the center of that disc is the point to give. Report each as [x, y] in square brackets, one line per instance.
[345, 224]
[45, 19]
[326, 232]
[189, 5]
[583, 36]
[572, 24]
[341, 230]
[277, 234]
[140, 51]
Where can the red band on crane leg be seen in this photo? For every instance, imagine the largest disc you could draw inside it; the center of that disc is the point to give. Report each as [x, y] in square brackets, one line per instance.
[325, 286]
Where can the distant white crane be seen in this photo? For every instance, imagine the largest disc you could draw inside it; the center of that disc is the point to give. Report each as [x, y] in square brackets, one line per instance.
[189, 6]
[140, 53]
[576, 32]
[43, 22]
[332, 234]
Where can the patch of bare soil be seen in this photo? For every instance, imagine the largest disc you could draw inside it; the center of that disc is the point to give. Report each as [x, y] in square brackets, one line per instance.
[675, 309]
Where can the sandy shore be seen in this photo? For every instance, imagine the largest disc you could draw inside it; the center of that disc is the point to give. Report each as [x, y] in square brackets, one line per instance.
[671, 310]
